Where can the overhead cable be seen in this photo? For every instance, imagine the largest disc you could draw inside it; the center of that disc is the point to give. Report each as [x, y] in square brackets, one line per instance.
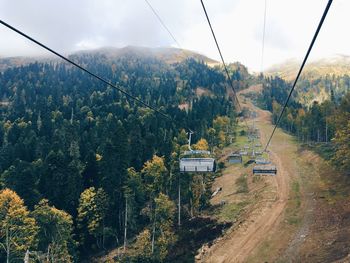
[263, 40]
[301, 69]
[222, 60]
[162, 23]
[86, 70]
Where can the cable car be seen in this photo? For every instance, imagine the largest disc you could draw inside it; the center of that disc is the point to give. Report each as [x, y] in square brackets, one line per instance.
[262, 161]
[243, 153]
[265, 170]
[235, 158]
[258, 153]
[200, 165]
[197, 164]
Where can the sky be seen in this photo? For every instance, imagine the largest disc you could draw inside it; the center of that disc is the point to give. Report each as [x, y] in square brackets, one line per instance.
[68, 26]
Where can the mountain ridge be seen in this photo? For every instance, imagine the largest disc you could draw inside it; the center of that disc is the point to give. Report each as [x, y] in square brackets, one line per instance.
[168, 55]
[337, 65]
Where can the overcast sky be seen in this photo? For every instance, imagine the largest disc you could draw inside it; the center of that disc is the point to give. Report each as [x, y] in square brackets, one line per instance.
[70, 25]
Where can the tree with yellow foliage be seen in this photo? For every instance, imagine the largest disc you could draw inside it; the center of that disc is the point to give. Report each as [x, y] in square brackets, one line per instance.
[18, 231]
[55, 232]
[155, 172]
[92, 211]
[202, 145]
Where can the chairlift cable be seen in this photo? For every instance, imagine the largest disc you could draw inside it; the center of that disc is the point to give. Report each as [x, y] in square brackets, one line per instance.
[263, 40]
[162, 23]
[87, 71]
[300, 70]
[222, 59]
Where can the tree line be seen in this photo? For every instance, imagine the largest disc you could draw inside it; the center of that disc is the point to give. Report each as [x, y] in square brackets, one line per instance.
[84, 169]
[326, 122]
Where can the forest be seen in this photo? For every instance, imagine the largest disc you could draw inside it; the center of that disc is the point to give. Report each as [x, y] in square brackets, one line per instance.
[325, 123]
[84, 169]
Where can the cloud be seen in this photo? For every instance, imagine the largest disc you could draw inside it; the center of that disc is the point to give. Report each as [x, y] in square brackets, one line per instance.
[83, 24]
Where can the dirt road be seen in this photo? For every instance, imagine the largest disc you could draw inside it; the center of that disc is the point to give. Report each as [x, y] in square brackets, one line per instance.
[239, 244]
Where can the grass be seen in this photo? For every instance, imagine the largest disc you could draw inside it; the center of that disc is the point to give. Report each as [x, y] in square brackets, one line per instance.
[230, 212]
[263, 252]
[325, 150]
[242, 184]
[257, 179]
[292, 212]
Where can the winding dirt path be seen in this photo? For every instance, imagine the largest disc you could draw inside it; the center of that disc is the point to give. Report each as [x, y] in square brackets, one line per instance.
[238, 245]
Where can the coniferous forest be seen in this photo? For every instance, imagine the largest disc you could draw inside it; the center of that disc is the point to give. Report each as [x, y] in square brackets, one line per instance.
[84, 169]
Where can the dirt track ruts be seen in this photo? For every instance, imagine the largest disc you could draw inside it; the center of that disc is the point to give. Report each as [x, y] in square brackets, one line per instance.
[240, 243]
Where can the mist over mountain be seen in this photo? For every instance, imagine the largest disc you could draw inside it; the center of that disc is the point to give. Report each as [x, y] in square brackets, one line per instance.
[319, 80]
[337, 65]
[168, 55]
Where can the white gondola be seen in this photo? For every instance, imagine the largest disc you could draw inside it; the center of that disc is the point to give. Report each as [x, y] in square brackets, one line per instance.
[200, 165]
[196, 164]
[262, 161]
[235, 158]
[265, 170]
[243, 153]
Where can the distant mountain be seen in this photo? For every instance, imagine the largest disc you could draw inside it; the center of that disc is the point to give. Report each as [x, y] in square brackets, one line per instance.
[167, 54]
[320, 78]
[10, 62]
[338, 65]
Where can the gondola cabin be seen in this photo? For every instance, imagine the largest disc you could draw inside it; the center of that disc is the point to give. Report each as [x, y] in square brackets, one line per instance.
[243, 153]
[262, 161]
[259, 153]
[235, 158]
[197, 165]
[265, 170]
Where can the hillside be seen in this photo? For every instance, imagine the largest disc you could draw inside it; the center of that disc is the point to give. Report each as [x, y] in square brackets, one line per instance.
[78, 151]
[167, 54]
[320, 80]
[338, 65]
[10, 62]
